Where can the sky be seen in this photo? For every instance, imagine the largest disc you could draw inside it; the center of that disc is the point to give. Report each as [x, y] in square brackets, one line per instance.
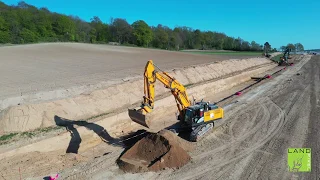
[278, 22]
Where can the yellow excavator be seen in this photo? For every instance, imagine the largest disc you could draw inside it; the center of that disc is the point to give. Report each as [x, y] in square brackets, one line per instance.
[197, 118]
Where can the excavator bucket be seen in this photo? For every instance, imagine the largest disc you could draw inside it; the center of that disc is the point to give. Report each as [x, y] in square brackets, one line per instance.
[139, 118]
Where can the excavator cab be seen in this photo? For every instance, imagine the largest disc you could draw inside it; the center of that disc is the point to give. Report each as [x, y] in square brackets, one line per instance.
[194, 115]
[202, 112]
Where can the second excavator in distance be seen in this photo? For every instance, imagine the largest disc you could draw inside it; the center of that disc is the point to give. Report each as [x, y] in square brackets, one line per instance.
[284, 59]
[197, 117]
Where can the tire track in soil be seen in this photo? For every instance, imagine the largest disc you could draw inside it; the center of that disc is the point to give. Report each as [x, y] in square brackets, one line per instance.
[267, 137]
[96, 165]
[231, 127]
[217, 163]
[260, 165]
[297, 108]
[226, 146]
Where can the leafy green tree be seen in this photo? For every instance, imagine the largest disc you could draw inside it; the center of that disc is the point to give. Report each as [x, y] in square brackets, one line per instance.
[4, 37]
[4, 31]
[3, 24]
[196, 39]
[266, 47]
[11, 17]
[27, 36]
[228, 43]
[237, 44]
[182, 37]
[3, 7]
[93, 37]
[245, 46]
[27, 19]
[189, 43]
[82, 30]
[142, 33]
[43, 23]
[291, 46]
[208, 39]
[283, 48]
[121, 30]
[255, 46]
[219, 40]
[160, 37]
[23, 5]
[299, 47]
[176, 39]
[64, 27]
[102, 30]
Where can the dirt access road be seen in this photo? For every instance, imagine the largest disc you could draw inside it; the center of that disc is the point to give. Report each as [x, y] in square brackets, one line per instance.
[252, 143]
[27, 69]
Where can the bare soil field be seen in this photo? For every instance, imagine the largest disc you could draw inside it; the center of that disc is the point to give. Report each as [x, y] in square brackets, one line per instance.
[27, 69]
[249, 143]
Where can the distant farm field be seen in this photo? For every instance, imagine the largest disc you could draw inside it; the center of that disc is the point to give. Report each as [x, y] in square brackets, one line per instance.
[27, 69]
[229, 53]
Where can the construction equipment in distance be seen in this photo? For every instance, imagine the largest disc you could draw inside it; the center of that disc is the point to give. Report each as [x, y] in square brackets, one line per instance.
[285, 57]
[266, 49]
[197, 118]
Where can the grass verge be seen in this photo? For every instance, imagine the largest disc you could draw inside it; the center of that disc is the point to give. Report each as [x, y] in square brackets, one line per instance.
[4, 139]
[235, 53]
[7, 138]
[276, 58]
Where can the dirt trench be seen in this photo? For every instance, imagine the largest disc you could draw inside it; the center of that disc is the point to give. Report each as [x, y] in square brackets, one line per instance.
[32, 112]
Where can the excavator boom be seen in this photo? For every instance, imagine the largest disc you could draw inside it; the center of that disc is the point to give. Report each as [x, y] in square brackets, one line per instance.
[151, 74]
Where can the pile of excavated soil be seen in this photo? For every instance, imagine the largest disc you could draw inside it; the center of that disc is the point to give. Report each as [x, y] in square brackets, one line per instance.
[156, 151]
[186, 145]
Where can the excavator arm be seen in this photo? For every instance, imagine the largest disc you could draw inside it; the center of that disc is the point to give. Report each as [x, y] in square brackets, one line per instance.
[177, 89]
[151, 74]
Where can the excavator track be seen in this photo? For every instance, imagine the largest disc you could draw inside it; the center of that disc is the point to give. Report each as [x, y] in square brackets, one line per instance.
[199, 132]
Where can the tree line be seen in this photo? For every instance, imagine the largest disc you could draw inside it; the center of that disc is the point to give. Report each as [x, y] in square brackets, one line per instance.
[24, 23]
[297, 47]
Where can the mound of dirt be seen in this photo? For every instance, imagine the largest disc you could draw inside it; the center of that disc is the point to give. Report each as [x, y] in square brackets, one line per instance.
[173, 138]
[155, 152]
